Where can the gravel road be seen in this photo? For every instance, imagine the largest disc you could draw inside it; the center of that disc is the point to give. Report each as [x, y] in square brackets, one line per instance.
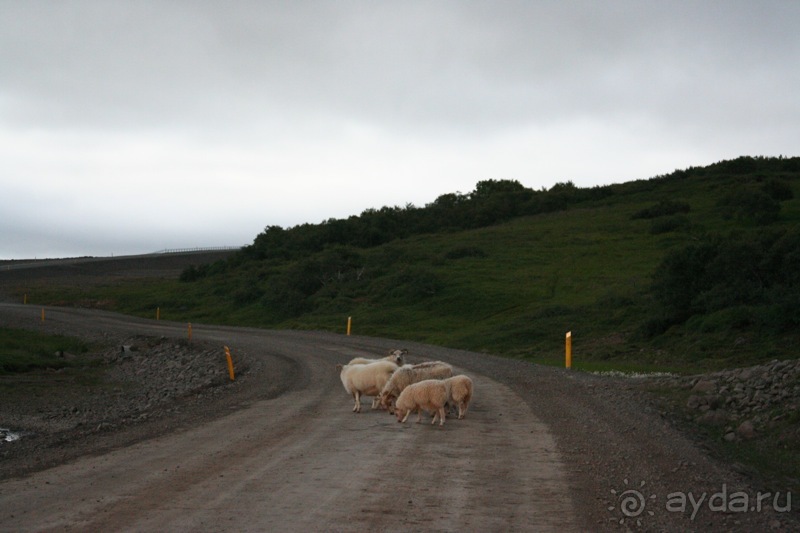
[280, 450]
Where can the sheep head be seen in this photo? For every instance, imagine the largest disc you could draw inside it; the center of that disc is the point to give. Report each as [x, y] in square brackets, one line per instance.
[398, 356]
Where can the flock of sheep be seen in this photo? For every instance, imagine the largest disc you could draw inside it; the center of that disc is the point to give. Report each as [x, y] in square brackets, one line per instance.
[404, 388]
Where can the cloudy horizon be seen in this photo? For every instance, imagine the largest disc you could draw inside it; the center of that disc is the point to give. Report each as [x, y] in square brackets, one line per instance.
[135, 126]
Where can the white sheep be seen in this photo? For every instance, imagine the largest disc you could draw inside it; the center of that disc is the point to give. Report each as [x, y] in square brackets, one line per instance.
[396, 356]
[459, 393]
[429, 395]
[365, 379]
[405, 376]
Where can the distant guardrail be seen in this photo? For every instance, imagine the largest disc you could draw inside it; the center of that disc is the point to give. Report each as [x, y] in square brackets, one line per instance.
[205, 249]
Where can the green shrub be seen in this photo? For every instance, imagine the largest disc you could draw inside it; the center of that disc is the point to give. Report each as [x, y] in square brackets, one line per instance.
[194, 273]
[248, 294]
[749, 204]
[412, 284]
[464, 251]
[739, 281]
[669, 224]
[725, 320]
[280, 301]
[662, 208]
[778, 190]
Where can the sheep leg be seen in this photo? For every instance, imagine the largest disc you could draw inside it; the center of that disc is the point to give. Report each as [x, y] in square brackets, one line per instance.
[440, 412]
[419, 416]
[357, 406]
[406, 417]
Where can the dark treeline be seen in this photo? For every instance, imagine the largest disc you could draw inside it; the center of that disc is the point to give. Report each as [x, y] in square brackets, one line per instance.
[755, 192]
[492, 202]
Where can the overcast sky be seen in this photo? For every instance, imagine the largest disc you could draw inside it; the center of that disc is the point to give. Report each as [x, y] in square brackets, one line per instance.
[134, 126]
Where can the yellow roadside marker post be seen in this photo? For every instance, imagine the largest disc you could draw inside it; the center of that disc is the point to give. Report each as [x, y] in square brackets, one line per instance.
[349, 323]
[569, 350]
[230, 363]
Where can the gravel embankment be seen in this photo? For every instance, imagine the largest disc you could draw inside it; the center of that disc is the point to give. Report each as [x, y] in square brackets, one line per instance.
[136, 388]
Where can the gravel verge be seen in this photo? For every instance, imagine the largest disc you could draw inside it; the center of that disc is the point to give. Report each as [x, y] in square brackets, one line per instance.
[137, 388]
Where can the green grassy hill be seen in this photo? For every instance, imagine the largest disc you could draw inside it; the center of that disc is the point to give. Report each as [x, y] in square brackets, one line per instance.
[693, 270]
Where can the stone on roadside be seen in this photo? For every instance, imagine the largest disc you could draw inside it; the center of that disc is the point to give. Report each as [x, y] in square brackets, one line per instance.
[704, 386]
[746, 430]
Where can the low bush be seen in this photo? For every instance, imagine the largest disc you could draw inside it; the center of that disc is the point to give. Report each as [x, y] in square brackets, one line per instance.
[661, 209]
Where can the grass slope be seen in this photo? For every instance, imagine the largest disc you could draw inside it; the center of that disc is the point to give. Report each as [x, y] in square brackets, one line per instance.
[27, 351]
[514, 288]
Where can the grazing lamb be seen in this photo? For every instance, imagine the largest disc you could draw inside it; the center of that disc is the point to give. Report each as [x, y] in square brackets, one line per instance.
[459, 393]
[365, 379]
[405, 376]
[396, 356]
[429, 395]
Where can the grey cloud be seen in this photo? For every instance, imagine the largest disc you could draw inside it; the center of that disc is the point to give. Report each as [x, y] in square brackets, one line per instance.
[158, 64]
[256, 99]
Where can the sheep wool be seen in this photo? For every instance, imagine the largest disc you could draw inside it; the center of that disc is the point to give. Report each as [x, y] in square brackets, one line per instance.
[405, 376]
[459, 393]
[365, 379]
[428, 395]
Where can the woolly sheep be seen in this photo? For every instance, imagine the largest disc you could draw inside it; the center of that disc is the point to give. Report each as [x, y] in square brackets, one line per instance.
[396, 356]
[405, 376]
[365, 379]
[429, 395]
[459, 393]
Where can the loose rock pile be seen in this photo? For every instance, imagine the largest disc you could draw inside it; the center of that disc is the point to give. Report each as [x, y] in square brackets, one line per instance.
[166, 369]
[142, 375]
[746, 401]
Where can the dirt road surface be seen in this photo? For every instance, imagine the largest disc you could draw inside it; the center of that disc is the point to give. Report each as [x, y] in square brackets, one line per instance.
[540, 450]
[303, 461]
